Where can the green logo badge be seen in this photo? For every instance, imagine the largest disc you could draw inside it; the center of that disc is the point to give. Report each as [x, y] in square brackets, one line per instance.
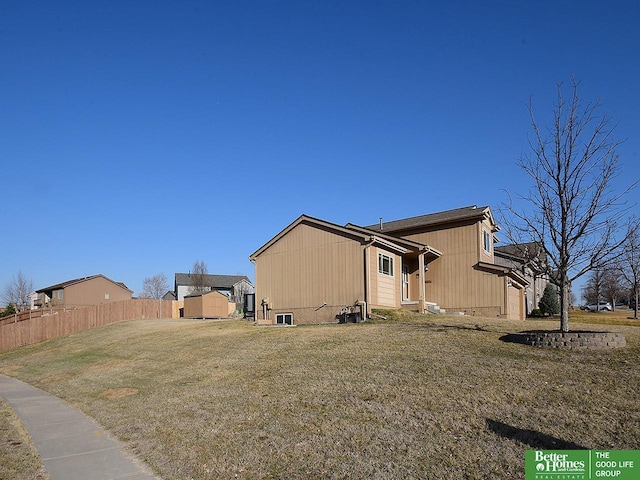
[582, 464]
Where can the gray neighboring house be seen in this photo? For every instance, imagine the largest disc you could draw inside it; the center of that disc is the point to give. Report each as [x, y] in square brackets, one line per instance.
[233, 286]
[169, 296]
[530, 260]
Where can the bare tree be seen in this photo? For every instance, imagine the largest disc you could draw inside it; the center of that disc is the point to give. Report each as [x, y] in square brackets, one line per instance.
[630, 265]
[199, 277]
[240, 292]
[612, 287]
[593, 291]
[572, 209]
[155, 287]
[17, 292]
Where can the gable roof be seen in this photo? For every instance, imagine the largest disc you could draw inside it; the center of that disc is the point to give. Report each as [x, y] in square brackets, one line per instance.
[439, 218]
[214, 281]
[510, 272]
[360, 234]
[531, 254]
[383, 237]
[306, 219]
[202, 294]
[169, 296]
[524, 251]
[68, 283]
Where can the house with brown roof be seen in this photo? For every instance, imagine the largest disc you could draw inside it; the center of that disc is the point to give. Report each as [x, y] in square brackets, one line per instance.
[315, 271]
[82, 292]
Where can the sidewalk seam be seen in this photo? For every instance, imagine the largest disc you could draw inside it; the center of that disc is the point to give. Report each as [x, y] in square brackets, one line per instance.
[81, 453]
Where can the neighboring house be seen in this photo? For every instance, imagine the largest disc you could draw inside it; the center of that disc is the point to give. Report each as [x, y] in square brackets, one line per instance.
[234, 286]
[315, 271]
[531, 261]
[82, 292]
[211, 304]
[33, 299]
[169, 296]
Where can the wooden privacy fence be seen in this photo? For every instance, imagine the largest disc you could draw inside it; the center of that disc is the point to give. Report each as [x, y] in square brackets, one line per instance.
[39, 325]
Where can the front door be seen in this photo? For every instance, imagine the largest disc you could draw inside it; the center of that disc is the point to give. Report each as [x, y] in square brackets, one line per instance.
[405, 282]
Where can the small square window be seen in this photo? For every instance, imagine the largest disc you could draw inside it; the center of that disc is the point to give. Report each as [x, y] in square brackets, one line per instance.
[106, 296]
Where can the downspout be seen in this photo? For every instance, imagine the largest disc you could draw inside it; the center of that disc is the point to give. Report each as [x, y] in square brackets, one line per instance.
[505, 304]
[367, 280]
[422, 280]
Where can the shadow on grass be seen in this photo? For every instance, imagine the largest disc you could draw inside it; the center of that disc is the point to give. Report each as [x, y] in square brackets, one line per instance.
[443, 328]
[514, 338]
[532, 438]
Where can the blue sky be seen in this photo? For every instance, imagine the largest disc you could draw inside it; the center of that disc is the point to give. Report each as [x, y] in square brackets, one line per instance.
[138, 137]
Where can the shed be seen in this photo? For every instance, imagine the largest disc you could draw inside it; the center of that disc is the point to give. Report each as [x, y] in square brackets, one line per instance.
[208, 305]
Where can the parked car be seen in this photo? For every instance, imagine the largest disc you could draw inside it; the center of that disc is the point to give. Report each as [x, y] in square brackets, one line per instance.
[593, 307]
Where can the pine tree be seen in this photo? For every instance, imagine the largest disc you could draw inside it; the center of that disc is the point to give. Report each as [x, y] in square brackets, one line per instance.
[549, 304]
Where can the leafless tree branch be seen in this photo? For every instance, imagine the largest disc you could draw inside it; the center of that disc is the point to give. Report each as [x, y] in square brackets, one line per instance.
[155, 286]
[574, 210]
[17, 292]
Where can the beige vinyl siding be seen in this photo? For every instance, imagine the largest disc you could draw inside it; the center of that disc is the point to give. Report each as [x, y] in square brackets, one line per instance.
[514, 303]
[414, 280]
[451, 281]
[444, 283]
[386, 287]
[483, 255]
[209, 305]
[92, 292]
[307, 267]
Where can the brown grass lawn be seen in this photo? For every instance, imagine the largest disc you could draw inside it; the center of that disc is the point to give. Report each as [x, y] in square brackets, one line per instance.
[410, 397]
[18, 458]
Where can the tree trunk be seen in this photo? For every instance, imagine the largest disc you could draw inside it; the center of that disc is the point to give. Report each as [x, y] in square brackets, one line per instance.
[565, 291]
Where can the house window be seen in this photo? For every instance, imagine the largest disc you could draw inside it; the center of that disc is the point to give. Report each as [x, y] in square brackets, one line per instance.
[486, 241]
[60, 294]
[385, 264]
[284, 318]
[106, 296]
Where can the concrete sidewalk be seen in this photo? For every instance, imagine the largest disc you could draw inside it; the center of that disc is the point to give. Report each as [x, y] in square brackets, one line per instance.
[72, 446]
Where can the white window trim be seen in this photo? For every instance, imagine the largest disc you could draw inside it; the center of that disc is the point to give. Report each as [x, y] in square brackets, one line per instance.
[381, 258]
[487, 238]
[283, 315]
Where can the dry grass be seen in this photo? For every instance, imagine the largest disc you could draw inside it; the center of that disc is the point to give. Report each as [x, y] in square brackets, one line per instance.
[18, 458]
[410, 397]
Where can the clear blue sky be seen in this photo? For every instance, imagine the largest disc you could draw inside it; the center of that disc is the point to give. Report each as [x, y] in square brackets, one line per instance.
[137, 137]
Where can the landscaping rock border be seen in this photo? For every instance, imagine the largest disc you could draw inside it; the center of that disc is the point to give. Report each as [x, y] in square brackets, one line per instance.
[568, 340]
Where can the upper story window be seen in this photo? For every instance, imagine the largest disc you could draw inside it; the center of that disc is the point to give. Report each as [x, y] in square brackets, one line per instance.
[385, 264]
[486, 241]
[60, 294]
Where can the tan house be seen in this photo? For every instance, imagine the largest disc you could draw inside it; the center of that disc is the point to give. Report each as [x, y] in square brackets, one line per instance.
[211, 304]
[81, 292]
[315, 271]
